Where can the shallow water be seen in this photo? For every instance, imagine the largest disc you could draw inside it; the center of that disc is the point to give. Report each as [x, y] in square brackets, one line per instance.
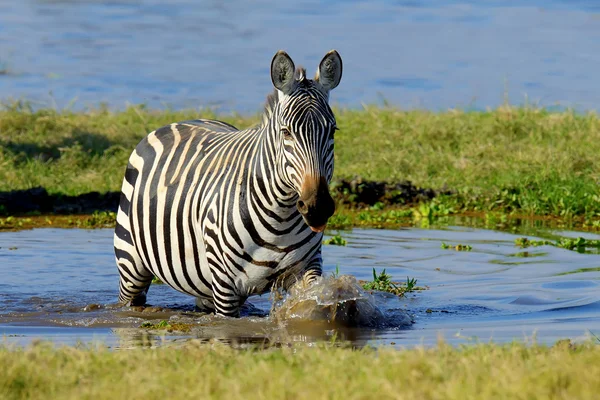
[427, 54]
[60, 284]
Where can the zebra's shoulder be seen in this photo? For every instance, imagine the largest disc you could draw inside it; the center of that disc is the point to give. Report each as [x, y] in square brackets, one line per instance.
[210, 124]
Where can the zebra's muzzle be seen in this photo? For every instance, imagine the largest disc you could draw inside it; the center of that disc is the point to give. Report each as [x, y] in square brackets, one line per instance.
[315, 204]
[318, 228]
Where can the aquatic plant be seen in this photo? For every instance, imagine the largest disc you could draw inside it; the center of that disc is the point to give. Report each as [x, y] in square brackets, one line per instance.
[434, 208]
[336, 240]
[411, 284]
[383, 282]
[167, 326]
[336, 273]
[579, 244]
[458, 247]
[580, 271]
[99, 219]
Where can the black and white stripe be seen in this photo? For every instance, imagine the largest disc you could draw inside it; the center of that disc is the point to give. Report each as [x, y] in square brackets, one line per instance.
[222, 214]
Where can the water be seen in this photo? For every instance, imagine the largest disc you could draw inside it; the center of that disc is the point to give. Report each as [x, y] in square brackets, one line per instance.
[425, 54]
[60, 284]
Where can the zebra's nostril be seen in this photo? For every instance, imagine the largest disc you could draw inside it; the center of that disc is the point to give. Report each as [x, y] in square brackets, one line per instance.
[302, 207]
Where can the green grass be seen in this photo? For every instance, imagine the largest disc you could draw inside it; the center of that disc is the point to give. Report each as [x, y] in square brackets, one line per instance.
[523, 160]
[482, 371]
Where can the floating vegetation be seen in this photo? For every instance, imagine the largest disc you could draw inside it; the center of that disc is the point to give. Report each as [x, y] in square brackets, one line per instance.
[524, 242]
[458, 247]
[164, 325]
[434, 208]
[378, 218]
[580, 271]
[12, 222]
[579, 244]
[100, 219]
[336, 240]
[383, 282]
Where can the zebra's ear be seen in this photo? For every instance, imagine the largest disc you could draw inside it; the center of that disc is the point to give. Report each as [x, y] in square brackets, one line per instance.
[282, 72]
[329, 73]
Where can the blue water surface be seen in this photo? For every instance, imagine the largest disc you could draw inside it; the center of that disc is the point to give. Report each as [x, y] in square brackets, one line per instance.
[190, 54]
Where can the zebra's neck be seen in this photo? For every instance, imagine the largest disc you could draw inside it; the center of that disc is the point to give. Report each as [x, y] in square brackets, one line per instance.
[265, 176]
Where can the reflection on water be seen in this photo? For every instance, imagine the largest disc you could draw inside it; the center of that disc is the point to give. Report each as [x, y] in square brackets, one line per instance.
[62, 285]
[187, 54]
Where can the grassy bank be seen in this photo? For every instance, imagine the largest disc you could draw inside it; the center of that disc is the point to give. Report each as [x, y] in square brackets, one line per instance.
[481, 371]
[514, 160]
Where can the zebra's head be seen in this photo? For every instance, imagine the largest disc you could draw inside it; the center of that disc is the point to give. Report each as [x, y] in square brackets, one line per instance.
[304, 126]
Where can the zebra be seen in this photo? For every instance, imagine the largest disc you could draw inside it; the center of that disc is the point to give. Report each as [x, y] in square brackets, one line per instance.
[222, 214]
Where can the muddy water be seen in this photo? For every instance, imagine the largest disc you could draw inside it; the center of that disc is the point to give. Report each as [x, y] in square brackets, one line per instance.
[61, 285]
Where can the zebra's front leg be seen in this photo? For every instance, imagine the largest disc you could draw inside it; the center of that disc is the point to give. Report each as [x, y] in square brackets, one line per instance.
[313, 270]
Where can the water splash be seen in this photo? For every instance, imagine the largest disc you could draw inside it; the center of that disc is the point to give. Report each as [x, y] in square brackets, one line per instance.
[338, 300]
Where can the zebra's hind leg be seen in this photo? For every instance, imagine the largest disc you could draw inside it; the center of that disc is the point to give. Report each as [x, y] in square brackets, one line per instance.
[134, 281]
[226, 300]
[205, 305]
[208, 306]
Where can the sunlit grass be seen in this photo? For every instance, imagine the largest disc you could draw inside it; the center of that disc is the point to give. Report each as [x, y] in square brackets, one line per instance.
[484, 371]
[530, 161]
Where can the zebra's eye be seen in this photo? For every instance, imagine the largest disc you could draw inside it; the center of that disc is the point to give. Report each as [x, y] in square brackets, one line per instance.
[287, 134]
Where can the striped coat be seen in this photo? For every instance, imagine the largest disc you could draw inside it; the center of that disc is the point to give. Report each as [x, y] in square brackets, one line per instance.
[222, 214]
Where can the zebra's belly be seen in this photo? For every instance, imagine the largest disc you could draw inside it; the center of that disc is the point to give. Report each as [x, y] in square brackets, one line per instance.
[195, 279]
[188, 267]
[184, 269]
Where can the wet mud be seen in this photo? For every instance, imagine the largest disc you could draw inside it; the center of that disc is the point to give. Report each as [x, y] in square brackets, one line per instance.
[354, 192]
[38, 200]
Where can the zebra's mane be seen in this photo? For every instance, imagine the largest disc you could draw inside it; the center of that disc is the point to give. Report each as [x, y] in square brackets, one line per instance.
[273, 97]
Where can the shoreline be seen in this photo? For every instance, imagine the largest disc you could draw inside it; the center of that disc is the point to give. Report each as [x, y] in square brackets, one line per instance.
[510, 161]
